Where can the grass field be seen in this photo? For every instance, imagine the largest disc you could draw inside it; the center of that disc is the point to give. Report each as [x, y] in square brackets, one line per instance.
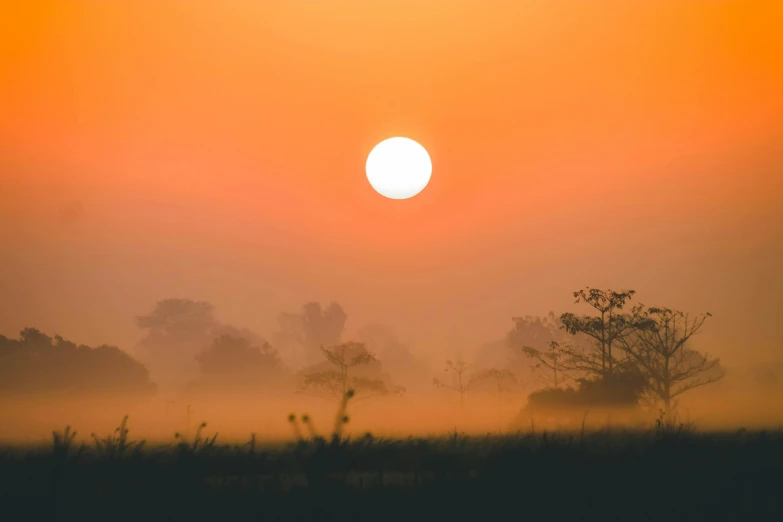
[657, 474]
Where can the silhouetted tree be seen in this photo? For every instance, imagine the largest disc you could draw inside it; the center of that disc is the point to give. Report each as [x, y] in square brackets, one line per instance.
[398, 360]
[623, 387]
[179, 317]
[606, 329]
[36, 363]
[333, 379]
[535, 332]
[312, 328]
[502, 380]
[233, 363]
[550, 361]
[176, 331]
[539, 339]
[460, 382]
[587, 356]
[659, 349]
[623, 390]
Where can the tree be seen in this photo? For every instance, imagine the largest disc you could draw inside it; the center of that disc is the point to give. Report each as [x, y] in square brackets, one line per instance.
[311, 328]
[607, 328]
[460, 381]
[580, 349]
[659, 348]
[502, 380]
[36, 363]
[397, 358]
[624, 391]
[379, 338]
[177, 330]
[539, 338]
[550, 360]
[535, 332]
[232, 362]
[175, 317]
[333, 379]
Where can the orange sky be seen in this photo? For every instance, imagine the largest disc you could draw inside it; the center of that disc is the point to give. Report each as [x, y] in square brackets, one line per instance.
[215, 150]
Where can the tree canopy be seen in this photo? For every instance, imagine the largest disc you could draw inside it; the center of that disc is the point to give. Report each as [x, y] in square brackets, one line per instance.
[233, 363]
[177, 330]
[348, 366]
[313, 327]
[38, 364]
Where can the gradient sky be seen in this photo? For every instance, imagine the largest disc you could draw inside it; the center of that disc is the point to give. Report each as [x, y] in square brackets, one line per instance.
[215, 150]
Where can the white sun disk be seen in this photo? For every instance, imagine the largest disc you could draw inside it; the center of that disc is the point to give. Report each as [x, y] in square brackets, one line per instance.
[398, 168]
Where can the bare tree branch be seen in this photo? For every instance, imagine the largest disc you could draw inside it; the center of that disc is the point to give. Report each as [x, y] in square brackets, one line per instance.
[658, 347]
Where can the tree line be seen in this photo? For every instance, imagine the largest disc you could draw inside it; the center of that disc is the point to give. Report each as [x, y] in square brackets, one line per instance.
[38, 364]
[617, 355]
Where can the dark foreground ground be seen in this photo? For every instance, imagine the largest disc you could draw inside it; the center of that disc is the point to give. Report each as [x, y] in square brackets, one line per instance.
[657, 475]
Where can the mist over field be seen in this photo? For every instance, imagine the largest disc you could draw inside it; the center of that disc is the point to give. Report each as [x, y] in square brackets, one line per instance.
[191, 367]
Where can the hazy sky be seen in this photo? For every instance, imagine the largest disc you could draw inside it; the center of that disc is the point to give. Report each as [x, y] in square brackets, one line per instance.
[215, 150]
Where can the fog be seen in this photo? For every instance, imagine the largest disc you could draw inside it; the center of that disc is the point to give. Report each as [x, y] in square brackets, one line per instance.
[190, 367]
[236, 418]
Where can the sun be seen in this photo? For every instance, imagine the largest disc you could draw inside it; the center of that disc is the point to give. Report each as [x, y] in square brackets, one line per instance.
[398, 168]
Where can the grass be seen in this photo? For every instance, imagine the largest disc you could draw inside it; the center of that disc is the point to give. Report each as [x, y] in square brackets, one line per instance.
[657, 474]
